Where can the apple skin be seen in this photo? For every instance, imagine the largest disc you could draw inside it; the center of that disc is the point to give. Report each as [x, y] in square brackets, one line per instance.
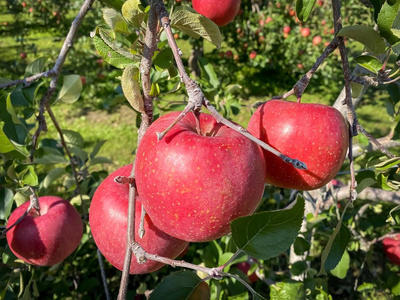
[315, 134]
[391, 247]
[108, 219]
[220, 12]
[193, 185]
[47, 239]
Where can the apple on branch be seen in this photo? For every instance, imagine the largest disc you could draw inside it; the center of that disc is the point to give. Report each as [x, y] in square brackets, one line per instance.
[45, 239]
[220, 12]
[391, 247]
[199, 177]
[108, 219]
[315, 134]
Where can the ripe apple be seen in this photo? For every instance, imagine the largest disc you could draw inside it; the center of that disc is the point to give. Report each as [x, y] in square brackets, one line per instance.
[199, 177]
[23, 55]
[45, 239]
[391, 247]
[315, 134]
[253, 54]
[292, 12]
[316, 40]
[220, 12]
[286, 29]
[83, 80]
[305, 32]
[245, 267]
[229, 54]
[268, 20]
[108, 219]
[24, 4]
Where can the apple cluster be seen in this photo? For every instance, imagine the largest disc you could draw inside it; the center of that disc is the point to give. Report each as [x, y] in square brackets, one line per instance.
[202, 175]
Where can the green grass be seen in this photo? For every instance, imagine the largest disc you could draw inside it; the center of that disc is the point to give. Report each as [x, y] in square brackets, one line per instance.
[117, 128]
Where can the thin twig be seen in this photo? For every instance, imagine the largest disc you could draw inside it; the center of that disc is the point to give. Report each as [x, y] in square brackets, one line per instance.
[28, 80]
[56, 70]
[375, 141]
[103, 274]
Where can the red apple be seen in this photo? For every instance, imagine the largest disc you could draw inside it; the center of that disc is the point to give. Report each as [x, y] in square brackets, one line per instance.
[108, 218]
[292, 12]
[229, 54]
[286, 29]
[45, 239]
[31, 9]
[220, 12]
[300, 66]
[316, 40]
[83, 80]
[253, 54]
[199, 177]
[24, 4]
[245, 267]
[268, 20]
[391, 247]
[313, 133]
[305, 32]
[23, 55]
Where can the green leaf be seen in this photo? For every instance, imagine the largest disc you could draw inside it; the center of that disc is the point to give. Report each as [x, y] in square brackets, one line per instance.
[115, 21]
[179, 285]
[10, 110]
[396, 48]
[131, 88]
[299, 267]
[155, 89]
[386, 18]
[36, 66]
[394, 92]
[164, 59]
[133, 12]
[100, 160]
[387, 164]
[207, 72]
[301, 245]
[82, 154]
[30, 177]
[6, 202]
[73, 138]
[6, 145]
[50, 159]
[377, 4]
[96, 149]
[333, 252]
[196, 26]
[267, 234]
[71, 89]
[370, 62]
[109, 55]
[304, 9]
[287, 291]
[53, 175]
[116, 4]
[340, 271]
[366, 36]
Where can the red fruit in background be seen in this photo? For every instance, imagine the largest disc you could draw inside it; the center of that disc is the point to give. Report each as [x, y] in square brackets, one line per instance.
[305, 32]
[193, 184]
[23, 4]
[268, 20]
[253, 54]
[320, 2]
[108, 219]
[31, 9]
[316, 40]
[47, 239]
[315, 134]
[220, 12]
[245, 267]
[323, 22]
[83, 80]
[286, 29]
[391, 247]
[300, 66]
[292, 12]
[229, 54]
[23, 55]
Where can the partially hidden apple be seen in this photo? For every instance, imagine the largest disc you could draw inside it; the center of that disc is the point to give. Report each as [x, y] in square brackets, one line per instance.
[221, 12]
[245, 267]
[315, 134]
[45, 239]
[199, 177]
[108, 219]
[391, 247]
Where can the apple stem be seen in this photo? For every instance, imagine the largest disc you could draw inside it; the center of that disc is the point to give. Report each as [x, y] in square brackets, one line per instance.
[124, 180]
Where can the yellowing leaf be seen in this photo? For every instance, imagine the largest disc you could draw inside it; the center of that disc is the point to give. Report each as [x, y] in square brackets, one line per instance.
[196, 26]
[133, 12]
[131, 89]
